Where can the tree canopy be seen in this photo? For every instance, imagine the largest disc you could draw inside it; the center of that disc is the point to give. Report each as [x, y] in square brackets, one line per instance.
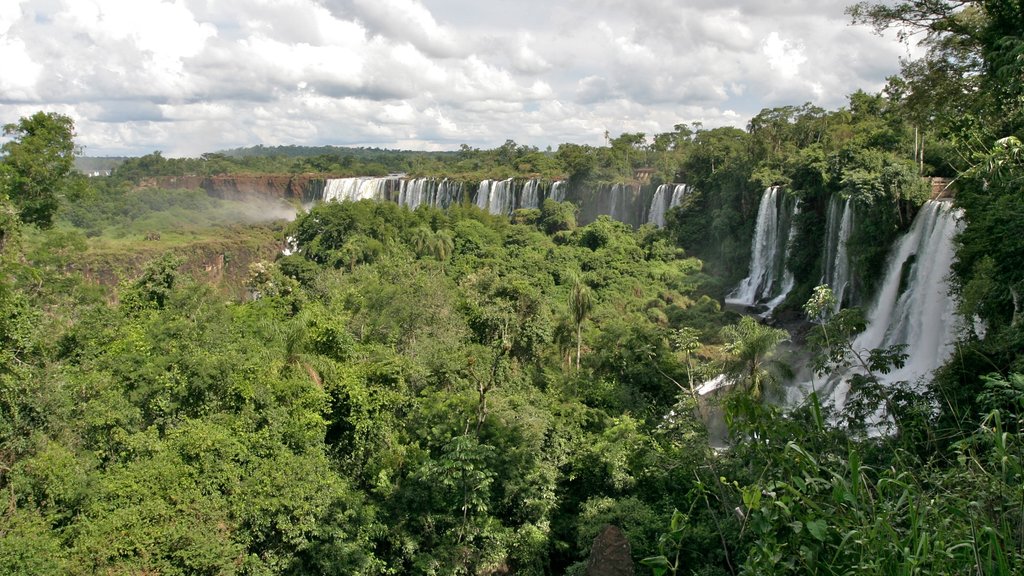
[36, 165]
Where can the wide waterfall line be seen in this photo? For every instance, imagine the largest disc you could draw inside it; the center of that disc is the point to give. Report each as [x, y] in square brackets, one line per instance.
[666, 197]
[768, 281]
[429, 192]
[836, 261]
[355, 189]
[530, 195]
[495, 196]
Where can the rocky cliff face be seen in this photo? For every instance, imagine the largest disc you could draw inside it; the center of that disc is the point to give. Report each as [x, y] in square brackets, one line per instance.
[222, 263]
[299, 187]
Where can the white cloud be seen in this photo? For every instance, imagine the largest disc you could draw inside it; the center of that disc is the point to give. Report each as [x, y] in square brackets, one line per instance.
[189, 76]
[784, 57]
[408, 20]
[10, 12]
[20, 74]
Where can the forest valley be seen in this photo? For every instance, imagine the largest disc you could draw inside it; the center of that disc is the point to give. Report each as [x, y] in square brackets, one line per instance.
[453, 392]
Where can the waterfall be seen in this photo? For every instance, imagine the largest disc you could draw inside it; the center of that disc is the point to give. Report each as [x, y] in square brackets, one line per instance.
[557, 191]
[656, 214]
[496, 196]
[788, 280]
[913, 306]
[614, 200]
[530, 196]
[768, 281]
[677, 195]
[448, 193]
[499, 197]
[836, 262]
[483, 194]
[618, 203]
[414, 192]
[666, 197]
[429, 192]
[353, 189]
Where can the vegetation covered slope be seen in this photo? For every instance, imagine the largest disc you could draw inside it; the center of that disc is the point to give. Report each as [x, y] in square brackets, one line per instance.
[435, 393]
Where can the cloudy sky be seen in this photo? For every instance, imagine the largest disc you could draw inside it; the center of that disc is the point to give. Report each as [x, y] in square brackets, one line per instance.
[193, 76]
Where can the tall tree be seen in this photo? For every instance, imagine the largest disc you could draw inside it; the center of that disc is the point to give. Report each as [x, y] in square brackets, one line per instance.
[37, 164]
[581, 302]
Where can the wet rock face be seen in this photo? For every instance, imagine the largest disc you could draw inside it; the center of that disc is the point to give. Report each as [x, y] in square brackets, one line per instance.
[610, 555]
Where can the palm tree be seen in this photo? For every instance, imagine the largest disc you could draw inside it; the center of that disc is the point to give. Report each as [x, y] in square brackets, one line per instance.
[581, 302]
[687, 341]
[421, 240]
[442, 245]
[751, 345]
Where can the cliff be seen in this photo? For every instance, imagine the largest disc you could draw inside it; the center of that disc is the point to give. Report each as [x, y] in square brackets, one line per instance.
[302, 187]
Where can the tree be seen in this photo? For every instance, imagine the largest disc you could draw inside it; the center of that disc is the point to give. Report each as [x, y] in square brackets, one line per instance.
[557, 216]
[581, 302]
[441, 245]
[751, 345]
[37, 165]
[421, 237]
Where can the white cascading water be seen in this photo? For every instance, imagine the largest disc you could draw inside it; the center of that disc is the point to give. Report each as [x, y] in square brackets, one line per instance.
[836, 264]
[496, 196]
[614, 201]
[666, 197]
[656, 214]
[557, 191]
[354, 189]
[414, 193]
[483, 194]
[923, 314]
[428, 192]
[448, 193]
[768, 282]
[788, 280]
[677, 195]
[530, 196]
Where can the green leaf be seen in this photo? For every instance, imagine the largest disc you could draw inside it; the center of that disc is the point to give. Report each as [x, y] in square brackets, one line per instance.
[658, 564]
[817, 528]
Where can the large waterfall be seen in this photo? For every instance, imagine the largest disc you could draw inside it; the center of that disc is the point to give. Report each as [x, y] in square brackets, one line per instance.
[354, 189]
[666, 197]
[496, 196]
[914, 306]
[429, 192]
[618, 202]
[836, 260]
[529, 197]
[626, 203]
[768, 281]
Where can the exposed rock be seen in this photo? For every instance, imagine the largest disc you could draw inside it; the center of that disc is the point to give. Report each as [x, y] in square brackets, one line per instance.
[610, 555]
[240, 187]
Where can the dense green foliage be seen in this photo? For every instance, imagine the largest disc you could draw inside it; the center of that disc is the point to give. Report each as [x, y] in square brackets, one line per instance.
[36, 165]
[428, 392]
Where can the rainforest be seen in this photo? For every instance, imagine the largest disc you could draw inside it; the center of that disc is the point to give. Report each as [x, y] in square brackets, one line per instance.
[794, 348]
